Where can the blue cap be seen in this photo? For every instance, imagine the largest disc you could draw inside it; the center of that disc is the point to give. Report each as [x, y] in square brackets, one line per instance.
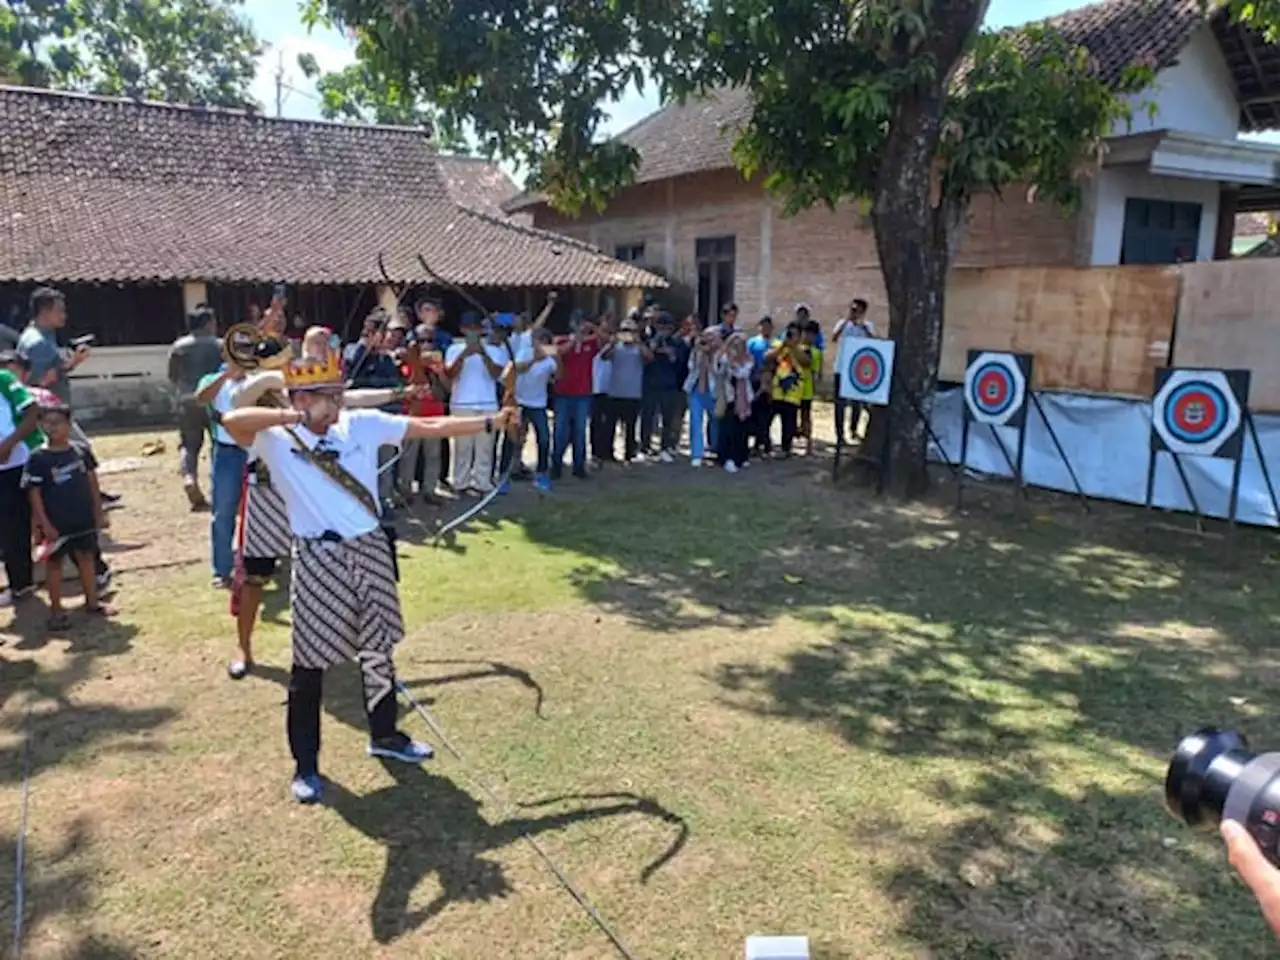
[506, 320]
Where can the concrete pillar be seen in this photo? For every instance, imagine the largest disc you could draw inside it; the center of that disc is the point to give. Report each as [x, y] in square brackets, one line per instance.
[387, 299]
[194, 293]
[632, 299]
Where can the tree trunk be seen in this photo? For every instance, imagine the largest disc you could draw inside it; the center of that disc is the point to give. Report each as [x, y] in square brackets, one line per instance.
[913, 241]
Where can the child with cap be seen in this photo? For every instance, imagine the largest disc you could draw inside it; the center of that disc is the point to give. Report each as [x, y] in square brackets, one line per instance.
[66, 509]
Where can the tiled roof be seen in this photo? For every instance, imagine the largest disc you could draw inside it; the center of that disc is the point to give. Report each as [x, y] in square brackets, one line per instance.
[98, 189]
[1122, 32]
[478, 183]
[698, 136]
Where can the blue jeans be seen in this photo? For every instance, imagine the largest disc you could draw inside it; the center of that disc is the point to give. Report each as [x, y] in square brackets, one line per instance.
[536, 417]
[228, 483]
[702, 406]
[572, 414]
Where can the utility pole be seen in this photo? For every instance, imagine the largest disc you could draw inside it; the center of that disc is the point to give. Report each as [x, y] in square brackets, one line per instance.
[280, 85]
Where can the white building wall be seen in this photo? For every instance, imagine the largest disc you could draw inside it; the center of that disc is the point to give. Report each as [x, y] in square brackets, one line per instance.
[1117, 184]
[1195, 95]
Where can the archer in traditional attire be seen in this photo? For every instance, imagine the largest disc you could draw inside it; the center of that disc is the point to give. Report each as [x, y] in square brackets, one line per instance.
[344, 603]
[265, 537]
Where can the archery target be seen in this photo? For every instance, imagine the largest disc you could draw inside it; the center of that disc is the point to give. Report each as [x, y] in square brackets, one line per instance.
[1199, 412]
[866, 376]
[995, 387]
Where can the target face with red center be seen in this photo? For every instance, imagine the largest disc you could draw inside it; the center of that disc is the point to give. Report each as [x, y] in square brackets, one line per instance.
[1199, 412]
[866, 370]
[995, 387]
[1196, 412]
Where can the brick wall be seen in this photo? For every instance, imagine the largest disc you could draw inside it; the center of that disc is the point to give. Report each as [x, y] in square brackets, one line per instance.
[819, 257]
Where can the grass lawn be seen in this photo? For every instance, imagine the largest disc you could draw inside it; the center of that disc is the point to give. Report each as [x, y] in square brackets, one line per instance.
[724, 705]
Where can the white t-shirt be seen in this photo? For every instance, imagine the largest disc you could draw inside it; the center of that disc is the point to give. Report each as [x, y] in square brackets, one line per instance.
[850, 333]
[601, 373]
[474, 388]
[315, 502]
[224, 401]
[9, 420]
[531, 386]
[521, 342]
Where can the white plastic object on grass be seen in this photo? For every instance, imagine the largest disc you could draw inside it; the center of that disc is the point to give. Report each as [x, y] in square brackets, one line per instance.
[777, 948]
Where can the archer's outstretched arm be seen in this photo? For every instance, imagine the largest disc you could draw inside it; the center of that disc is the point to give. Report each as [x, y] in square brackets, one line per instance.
[434, 428]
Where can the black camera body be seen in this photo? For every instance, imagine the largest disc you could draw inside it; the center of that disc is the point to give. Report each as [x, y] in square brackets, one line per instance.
[1214, 776]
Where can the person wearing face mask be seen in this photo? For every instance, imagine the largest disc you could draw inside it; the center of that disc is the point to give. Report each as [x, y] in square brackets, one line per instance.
[344, 602]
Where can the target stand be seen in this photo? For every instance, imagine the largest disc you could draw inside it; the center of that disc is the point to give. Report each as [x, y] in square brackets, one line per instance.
[1200, 412]
[997, 392]
[866, 367]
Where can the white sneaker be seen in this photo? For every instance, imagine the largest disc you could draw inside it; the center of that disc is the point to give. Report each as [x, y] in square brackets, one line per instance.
[666, 457]
[638, 458]
[730, 467]
[695, 462]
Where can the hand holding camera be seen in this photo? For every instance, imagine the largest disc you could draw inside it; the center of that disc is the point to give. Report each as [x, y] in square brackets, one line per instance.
[1214, 778]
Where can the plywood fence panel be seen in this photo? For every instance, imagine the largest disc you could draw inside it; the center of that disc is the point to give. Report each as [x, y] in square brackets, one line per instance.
[1229, 317]
[1095, 329]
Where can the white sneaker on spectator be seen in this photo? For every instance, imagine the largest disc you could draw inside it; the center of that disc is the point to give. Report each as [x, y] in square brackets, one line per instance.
[730, 467]
[696, 462]
[638, 458]
[666, 457]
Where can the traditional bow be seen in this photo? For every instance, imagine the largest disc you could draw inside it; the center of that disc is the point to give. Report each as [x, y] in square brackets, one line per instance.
[512, 434]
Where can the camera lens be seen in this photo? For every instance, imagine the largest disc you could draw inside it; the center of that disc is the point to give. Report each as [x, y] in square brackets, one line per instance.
[1214, 776]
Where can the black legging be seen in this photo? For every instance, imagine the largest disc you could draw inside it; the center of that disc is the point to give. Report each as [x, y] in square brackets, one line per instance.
[788, 413]
[306, 688]
[15, 529]
[601, 427]
[625, 411]
[734, 434]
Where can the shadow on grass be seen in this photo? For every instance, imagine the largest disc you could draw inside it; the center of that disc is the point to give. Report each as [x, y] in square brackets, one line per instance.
[431, 826]
[343, 694]
[1003, 646]
[56, 888]
[62, 726]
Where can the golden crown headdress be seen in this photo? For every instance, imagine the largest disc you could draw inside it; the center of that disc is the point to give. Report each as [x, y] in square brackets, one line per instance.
[315, 374]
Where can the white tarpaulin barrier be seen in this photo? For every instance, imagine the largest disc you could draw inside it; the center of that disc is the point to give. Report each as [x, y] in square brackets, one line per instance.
[1108, 441]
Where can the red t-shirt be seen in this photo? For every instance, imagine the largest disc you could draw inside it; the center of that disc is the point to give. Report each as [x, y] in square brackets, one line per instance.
[575, 379]
[427, 405]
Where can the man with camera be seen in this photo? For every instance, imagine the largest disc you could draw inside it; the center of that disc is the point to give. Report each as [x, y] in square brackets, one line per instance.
[474, 366]
[192, 358]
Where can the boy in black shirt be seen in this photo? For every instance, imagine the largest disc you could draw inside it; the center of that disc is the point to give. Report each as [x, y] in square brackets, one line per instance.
[66, 508]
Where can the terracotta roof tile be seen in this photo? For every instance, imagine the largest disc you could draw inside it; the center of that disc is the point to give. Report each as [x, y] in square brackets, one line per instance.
[478, 183]
[699, 135]
[95, 189]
